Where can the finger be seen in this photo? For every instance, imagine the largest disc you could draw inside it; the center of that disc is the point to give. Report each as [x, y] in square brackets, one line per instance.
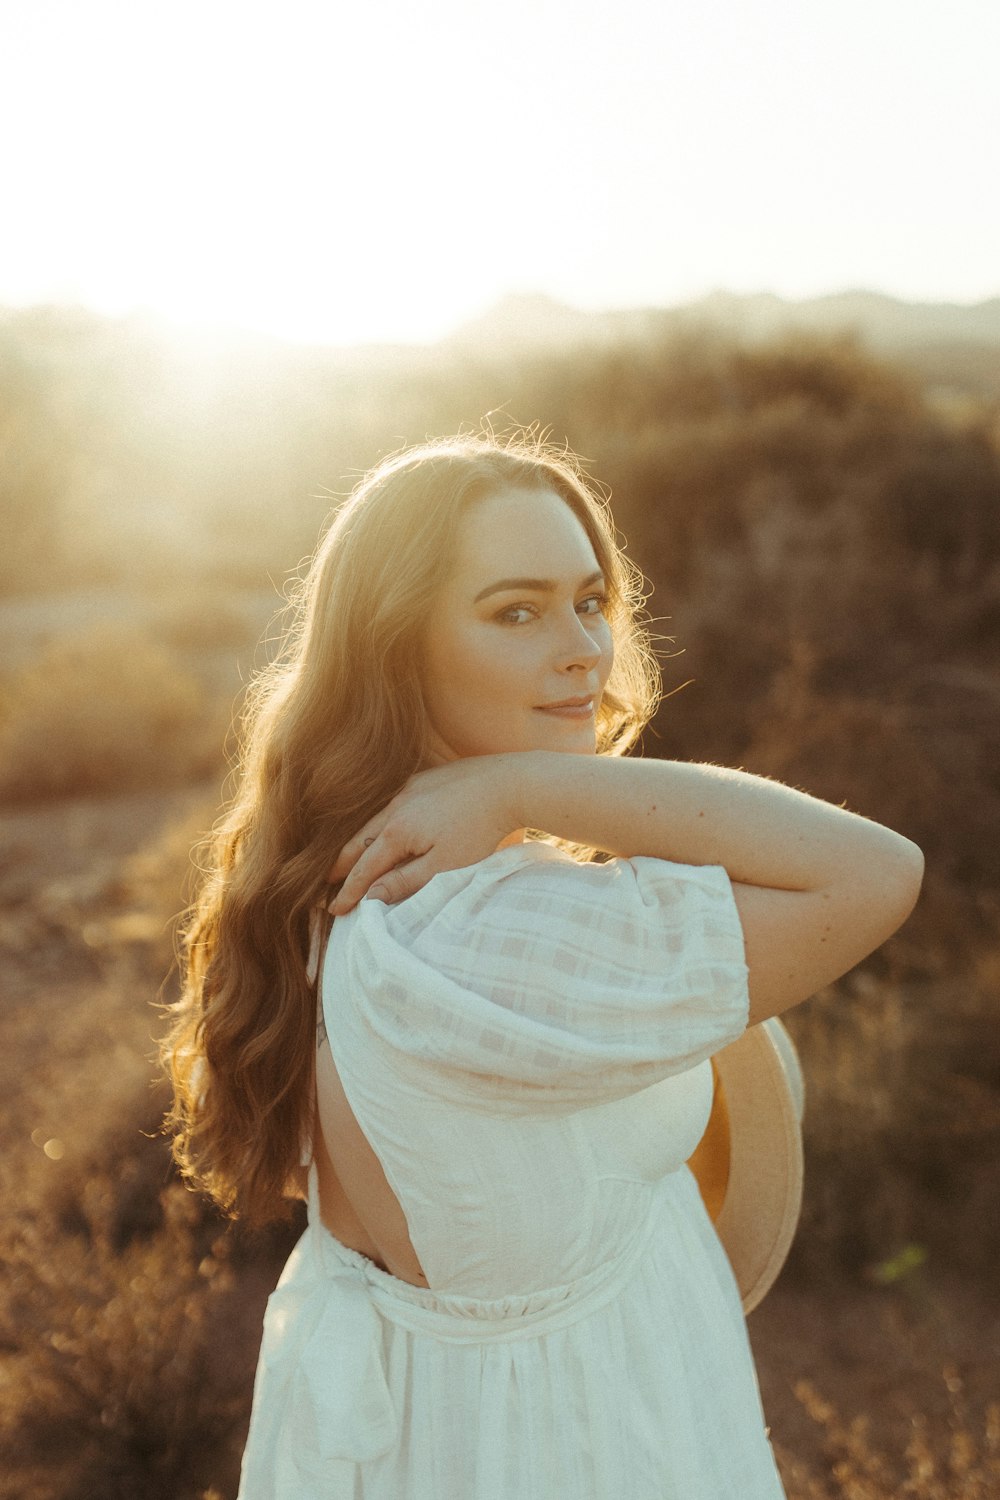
[382, 856]
[405, 880]
[346, 894]
[352, 852]
[348, 857]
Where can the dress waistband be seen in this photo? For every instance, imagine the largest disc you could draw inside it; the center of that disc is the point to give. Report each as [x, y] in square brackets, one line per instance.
[455, 1317]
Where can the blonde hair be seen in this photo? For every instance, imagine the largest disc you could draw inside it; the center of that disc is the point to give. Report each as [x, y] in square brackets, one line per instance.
[331, 731]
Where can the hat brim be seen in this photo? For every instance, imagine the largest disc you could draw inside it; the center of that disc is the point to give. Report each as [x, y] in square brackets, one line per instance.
[749, 1163]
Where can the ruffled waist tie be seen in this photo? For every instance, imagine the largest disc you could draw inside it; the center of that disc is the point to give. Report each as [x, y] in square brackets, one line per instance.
[323, 1344]
[325, 1335]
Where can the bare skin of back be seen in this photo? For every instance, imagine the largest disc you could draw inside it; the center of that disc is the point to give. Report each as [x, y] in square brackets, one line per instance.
[357, 1205]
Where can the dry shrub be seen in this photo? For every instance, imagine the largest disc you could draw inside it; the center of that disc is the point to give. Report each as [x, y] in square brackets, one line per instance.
[120, 1380]
[109, 711]
[953, 1462]
[902, 1055]
[130, 1315]
[916, 756]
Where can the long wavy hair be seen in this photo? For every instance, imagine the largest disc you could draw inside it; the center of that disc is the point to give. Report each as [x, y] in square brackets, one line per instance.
[331, 730]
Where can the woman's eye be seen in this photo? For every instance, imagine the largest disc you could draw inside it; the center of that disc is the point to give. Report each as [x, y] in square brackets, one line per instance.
[516, 614]
[594, 605]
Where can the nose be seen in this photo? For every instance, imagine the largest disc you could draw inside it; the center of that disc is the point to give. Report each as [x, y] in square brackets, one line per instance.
[578, 649]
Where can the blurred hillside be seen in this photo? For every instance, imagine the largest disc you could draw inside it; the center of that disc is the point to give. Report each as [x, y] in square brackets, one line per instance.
[955, 347]
[130, 453]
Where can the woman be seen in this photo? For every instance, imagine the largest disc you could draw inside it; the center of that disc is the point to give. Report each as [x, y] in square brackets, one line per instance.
[508, 1285]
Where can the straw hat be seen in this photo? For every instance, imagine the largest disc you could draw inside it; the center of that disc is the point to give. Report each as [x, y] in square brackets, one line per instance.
[748, 1164]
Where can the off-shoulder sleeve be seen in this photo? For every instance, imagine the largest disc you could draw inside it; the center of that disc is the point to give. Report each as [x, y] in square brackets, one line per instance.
[551, 984]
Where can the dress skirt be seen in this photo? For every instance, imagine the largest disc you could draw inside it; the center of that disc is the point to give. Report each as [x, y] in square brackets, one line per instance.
[632, 1382]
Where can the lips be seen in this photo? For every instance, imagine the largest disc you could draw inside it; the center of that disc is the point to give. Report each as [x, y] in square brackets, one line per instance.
[576, 710]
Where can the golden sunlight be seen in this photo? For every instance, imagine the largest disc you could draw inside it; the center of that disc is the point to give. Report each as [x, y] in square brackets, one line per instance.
[381, 172]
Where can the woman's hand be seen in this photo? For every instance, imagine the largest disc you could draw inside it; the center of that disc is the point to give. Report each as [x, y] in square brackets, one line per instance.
[444, 818]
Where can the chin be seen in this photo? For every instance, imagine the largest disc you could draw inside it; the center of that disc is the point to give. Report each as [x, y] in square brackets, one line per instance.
[582, 742]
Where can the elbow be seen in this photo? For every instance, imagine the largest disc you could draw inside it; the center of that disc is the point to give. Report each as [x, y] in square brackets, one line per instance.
[905, 876]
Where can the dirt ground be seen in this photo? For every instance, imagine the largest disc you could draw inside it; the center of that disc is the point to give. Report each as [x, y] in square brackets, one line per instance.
[84, 906]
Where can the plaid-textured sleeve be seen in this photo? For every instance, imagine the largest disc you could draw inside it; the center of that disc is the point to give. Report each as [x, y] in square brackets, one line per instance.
[551, 983]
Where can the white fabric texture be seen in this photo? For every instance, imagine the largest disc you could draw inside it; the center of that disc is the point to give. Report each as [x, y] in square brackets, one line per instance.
[524, 1043]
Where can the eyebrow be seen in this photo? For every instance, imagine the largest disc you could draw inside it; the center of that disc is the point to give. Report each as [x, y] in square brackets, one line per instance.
[531, 585]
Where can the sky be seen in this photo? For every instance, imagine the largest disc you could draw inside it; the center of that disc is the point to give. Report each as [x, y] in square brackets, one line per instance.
[344, 171]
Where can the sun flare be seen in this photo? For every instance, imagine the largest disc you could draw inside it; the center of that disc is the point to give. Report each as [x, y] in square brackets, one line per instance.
[341, 174]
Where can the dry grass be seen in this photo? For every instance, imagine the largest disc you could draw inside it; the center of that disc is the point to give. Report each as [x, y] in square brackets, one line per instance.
[129, 1315]
[113, 1385]
[129, 1312]
[107, 711]
[958, 1462]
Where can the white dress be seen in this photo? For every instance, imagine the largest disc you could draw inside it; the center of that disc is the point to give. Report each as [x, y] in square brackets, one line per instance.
[524, 1043]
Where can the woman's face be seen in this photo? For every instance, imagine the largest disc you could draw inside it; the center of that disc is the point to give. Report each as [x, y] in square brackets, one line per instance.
[518, 647]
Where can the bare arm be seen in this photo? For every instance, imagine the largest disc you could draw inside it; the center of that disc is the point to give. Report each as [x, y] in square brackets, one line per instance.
[817, 888]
